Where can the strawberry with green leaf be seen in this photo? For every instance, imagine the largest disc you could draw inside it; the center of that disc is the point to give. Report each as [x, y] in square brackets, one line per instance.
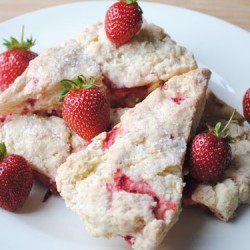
[209, 154]
[85, 107]
[16, 179]
[15, 60]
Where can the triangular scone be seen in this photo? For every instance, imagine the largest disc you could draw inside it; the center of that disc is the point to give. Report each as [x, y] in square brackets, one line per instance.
[45, 142]
[128, 182]
[37, 89]
[150, 57]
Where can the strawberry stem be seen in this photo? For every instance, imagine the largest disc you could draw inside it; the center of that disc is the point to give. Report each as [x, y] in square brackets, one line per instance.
[80, 83]
[217, 128]
[14, 43]
[132, 2]
[129, 1]
[3, 151]
[22, 36]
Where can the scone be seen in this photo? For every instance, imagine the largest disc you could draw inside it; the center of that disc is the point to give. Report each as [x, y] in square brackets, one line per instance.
[224, 197]
[128, 182]
[160, 58]
[37, 89]
[45, 142]
[150, 57]
[133, 70]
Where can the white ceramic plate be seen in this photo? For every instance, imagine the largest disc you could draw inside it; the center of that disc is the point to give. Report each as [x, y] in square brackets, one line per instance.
[220, 46]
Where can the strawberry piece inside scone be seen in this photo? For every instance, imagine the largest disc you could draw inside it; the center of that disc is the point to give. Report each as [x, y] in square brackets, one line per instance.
[123, 183]
[128, 182]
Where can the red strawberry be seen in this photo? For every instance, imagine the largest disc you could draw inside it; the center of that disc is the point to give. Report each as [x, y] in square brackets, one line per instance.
[246, 105]
[209, 154]
[85, 107]
[123, 20]
[15, 60]
[16, 178]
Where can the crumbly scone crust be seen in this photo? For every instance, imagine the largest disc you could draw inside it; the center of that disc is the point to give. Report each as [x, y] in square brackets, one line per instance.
[146, 154]
[150, 57]
[45, 142]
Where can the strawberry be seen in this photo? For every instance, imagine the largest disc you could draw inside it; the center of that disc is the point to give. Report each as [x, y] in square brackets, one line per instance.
[16, 179]
[123, 20]
[85, 107]
[246, 105]
[15, 60]
[210, 154]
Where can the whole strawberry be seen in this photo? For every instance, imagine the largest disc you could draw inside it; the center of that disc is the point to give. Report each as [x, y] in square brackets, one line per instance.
[209, 154]
[123, 20]
[16, 179]
[246, 105]
[15, 60]
[85, 107]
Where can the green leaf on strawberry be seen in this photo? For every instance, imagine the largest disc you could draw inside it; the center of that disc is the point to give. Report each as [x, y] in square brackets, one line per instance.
[86, 107]
[132, 2]
[22, 44]
[80, 82]
[15, 60]
[221, 133]
[209, 154]
[3, 151]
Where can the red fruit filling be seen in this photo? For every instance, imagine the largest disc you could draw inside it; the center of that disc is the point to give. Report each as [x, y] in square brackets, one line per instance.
[5, 118]
[35, 81]
[130, 240]
[125, 92]
[30, 103]
[171, 136]
[111, 137]
[178, 100]
[124, 183]
[125, 97]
